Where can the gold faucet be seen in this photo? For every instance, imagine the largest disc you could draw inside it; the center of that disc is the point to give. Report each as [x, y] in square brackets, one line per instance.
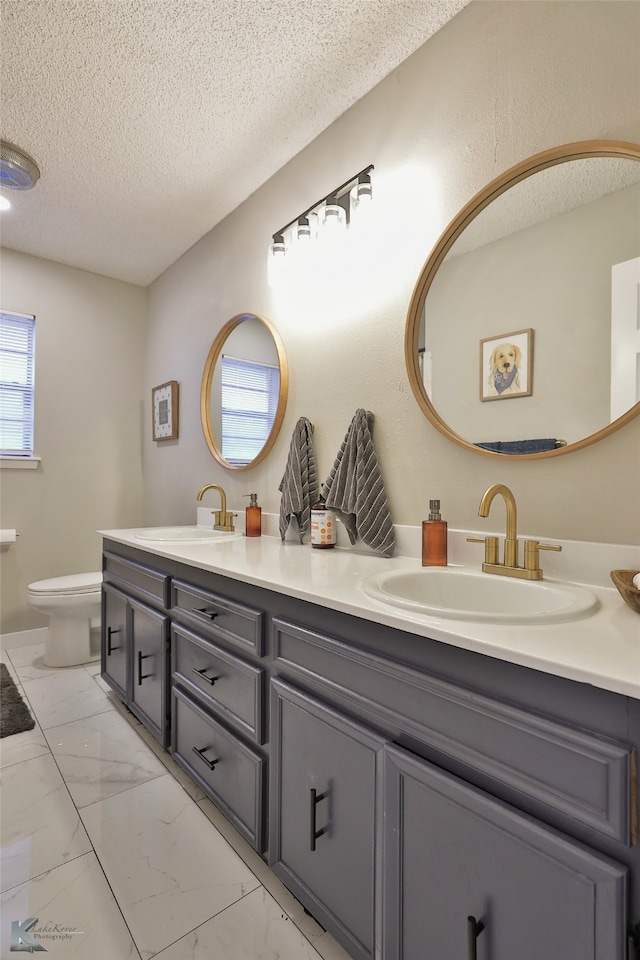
[223, 520]
[509, 568]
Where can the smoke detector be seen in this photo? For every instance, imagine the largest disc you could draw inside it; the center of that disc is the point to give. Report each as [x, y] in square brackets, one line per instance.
[17, 170]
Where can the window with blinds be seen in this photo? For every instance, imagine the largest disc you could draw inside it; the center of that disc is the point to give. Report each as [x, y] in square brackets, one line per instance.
[17, 349]
[249, 403]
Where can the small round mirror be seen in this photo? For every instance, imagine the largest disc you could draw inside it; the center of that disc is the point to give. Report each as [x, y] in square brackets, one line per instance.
[244, 391]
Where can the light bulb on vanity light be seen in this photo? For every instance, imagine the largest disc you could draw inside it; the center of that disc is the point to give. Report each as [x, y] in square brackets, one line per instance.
[278, 247]
[333, 218]
[362, 189]
[4, 203]
[303, 230]
[360, 197]
[276, 260]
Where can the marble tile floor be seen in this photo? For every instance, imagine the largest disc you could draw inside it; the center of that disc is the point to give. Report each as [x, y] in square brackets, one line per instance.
[116, 852]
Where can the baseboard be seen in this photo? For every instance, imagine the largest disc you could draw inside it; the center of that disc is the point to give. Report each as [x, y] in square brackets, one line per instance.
[23, 638]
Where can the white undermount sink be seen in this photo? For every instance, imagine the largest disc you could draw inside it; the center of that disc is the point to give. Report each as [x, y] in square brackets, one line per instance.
[457, 594]
[185, 534]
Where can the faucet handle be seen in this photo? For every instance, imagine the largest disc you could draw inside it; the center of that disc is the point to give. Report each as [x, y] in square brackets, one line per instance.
[490, 547]
[531, 552]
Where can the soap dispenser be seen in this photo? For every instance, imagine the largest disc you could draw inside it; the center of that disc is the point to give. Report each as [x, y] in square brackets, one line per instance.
[253, 516]
[434, 538]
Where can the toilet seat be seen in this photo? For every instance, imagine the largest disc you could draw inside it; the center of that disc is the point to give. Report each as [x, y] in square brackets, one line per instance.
[77, 583]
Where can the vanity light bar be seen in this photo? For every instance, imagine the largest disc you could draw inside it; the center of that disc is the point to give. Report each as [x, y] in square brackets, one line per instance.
[339, 196]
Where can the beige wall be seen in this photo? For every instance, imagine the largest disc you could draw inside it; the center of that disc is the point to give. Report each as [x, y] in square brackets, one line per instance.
[89, 386]
[500, 82]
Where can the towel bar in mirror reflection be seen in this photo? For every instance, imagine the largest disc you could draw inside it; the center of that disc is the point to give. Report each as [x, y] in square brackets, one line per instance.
[542, 269]
[244, 391]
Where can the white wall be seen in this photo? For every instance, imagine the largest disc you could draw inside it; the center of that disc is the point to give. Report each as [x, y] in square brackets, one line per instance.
[89, 386]
[500, 82]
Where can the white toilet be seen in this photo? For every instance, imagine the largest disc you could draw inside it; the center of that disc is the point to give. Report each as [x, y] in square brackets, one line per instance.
[71, 603]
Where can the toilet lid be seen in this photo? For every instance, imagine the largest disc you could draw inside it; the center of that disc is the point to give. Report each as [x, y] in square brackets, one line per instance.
[76, 583]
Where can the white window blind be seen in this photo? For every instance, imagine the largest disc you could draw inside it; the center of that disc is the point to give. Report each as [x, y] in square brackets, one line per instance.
[249, 402]
[17, 348]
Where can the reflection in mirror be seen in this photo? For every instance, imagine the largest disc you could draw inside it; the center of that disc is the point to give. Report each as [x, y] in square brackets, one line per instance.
[543, 265]
[244, 391]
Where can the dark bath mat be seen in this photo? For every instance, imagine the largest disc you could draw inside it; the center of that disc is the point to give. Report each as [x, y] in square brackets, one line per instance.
[14, 713]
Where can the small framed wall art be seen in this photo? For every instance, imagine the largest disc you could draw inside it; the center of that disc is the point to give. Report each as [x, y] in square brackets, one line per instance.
[506, 365]
[164, 404]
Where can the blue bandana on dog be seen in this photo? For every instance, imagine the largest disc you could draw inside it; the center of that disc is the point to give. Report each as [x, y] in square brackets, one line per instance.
[502, 383]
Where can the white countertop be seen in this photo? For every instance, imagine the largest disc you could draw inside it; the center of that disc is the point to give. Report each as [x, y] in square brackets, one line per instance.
[602, 649]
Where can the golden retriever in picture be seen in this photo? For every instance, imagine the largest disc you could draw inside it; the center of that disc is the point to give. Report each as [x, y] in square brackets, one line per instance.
[505, 363]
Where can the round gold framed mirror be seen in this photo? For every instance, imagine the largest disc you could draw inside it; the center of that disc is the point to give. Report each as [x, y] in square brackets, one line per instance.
[244, 391]
[529, 299]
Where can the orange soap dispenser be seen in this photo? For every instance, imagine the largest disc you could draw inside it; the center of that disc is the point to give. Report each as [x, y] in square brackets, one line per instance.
[253, 516]
[434, 538]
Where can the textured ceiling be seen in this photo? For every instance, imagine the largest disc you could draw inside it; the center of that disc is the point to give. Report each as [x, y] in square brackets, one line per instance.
[151, 120]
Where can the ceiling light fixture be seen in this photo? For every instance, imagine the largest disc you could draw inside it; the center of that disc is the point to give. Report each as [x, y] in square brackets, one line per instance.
[17, 170]
[333, 211]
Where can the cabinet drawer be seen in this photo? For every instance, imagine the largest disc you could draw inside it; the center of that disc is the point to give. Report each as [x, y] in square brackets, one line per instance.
[223, 618]
[233, 689]
[581, 776]
[229, 771]
[137, 579]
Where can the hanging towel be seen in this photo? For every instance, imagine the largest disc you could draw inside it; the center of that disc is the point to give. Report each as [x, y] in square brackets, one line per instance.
[355, 491]
[299, 485]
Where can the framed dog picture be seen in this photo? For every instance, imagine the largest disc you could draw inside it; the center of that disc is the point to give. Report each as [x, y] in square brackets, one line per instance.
[506, 366]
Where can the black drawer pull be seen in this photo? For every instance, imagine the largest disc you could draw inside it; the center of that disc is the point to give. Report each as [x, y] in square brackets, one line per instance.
[110, 632]
[212, 614]
[474, 929]
[210, 763]
[201, 674]
[142, 676]
[315, 799]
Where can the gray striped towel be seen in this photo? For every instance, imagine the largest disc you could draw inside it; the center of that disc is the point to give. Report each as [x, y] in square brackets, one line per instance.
[355, 491]
[299, 485]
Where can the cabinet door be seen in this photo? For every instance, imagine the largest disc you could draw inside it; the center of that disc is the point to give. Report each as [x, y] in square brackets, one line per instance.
[114, 640]
[149, 632]
[455, 857]
[323, 806]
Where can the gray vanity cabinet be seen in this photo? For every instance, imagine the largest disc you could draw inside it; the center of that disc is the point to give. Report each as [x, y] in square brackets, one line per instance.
[150, 669]
[468, 876]
[324, 777]
[422, 802]
[115, 648]
[135, 640]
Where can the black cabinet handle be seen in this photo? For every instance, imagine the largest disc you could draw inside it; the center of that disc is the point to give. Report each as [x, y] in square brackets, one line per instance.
[212, 614]
[210, 763]
[315, 799]
[201, 674]
[142, 676]
[474, 929]
[110, 632]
